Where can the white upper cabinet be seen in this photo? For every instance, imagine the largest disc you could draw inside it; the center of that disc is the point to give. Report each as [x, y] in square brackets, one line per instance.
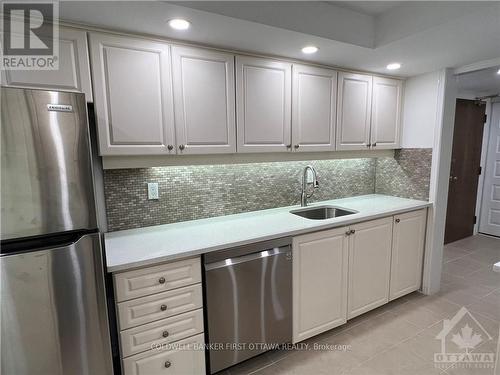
[133, 95]
[386, 113]
[313, 108]
[407, 252]
[354, 103]
[73, 73]
[320, 263]
[263, 104]
[204, 101]
[369, 266]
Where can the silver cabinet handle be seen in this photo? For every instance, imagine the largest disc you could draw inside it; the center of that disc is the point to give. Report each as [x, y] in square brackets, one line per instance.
[163, 307]
[168, 364]
[397, 220]
[348, 233]
[170, 147]
[353, 231]
[182, 147]
[165, 334]
[161, 280]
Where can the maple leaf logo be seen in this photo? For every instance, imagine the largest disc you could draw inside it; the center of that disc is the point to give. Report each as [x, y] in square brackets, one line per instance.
[466, 340]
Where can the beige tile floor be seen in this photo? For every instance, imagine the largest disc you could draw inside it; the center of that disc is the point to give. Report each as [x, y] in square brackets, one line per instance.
[399, 338]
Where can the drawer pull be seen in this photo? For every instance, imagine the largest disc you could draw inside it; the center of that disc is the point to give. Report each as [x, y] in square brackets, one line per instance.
[163, 307]
[161, 280]
[353, 231]
[397, 220]
[168, 364]
[165, 334]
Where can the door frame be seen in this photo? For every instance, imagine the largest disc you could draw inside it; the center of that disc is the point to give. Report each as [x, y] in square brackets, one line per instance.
[484, 155]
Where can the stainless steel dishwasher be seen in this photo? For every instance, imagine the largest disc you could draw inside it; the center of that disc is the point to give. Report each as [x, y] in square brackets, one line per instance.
[248, 293]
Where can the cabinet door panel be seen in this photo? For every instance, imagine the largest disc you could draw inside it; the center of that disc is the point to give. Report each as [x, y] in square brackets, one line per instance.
[73, 73]
[204, 100]
[263, 104]
[386, 113]
[354, 103]
[319, 282]
[133, 97]
[369, 266]
[313, 108]
[407, 252]
[183, 358]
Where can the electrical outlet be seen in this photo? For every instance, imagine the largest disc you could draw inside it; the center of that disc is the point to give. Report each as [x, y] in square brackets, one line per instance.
[153, 192]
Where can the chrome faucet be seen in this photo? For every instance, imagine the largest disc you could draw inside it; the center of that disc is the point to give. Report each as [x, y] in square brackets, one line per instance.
[304, 196]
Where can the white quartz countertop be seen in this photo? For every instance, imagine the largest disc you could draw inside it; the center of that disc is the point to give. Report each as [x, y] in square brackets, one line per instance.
[145, 246]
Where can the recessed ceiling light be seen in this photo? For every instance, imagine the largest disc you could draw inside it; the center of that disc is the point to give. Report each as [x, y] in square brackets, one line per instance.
[393, 66]
[310, 49]
[179, 24]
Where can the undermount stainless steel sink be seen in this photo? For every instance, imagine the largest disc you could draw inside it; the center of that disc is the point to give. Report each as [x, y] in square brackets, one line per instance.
[322, 212]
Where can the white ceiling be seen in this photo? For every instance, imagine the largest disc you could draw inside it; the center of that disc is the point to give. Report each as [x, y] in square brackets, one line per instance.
[480, 83]
[423, 36]
[371, 8]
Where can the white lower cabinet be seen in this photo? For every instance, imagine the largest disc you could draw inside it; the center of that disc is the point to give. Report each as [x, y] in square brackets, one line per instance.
[139, 339]
[319, 282]
[407, 252]
[369, 265]
[161, 328]
[182, 357]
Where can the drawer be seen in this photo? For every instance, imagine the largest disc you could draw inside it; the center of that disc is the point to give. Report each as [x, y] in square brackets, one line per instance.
[150, 280]
[140, 339]
[158, 306]
[186, 357]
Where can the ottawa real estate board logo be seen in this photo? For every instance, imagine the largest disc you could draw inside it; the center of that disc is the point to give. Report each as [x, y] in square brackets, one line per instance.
[30, 35]
[465, 343]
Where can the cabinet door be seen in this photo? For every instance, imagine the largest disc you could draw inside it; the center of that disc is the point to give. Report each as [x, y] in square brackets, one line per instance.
[354, 104]
[313, 108]
[180, 358]
[73, 73]
[319, 282]
[386, 113]
[133, 95]
[369, 266]
[407, 252]
[204, 101]
[263, 104]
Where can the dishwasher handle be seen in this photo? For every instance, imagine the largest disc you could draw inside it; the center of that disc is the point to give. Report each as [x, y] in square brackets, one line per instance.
[285, 250]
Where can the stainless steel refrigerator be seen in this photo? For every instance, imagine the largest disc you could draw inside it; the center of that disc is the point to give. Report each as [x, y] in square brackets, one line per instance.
[53, 303]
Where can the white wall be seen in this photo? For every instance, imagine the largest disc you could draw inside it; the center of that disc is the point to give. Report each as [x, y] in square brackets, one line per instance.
[420, 111]
[428, 119]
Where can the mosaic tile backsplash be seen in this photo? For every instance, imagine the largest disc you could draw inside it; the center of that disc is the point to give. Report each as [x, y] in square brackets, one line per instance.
[407, 175]
[201, 191]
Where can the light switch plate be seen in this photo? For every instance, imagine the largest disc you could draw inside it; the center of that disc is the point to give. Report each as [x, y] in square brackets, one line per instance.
[153, 192]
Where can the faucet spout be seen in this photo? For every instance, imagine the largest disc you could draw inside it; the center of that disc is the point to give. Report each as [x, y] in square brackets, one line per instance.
[304, 195]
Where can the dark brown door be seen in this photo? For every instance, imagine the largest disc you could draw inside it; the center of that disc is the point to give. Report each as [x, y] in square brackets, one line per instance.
[464, 174]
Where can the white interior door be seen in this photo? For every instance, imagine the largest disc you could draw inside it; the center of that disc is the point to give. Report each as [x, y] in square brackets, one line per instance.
[489, 222]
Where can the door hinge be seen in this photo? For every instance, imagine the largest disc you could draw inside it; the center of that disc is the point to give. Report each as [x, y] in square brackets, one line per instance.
[475, 219]
[485, 118]
[480, 170]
